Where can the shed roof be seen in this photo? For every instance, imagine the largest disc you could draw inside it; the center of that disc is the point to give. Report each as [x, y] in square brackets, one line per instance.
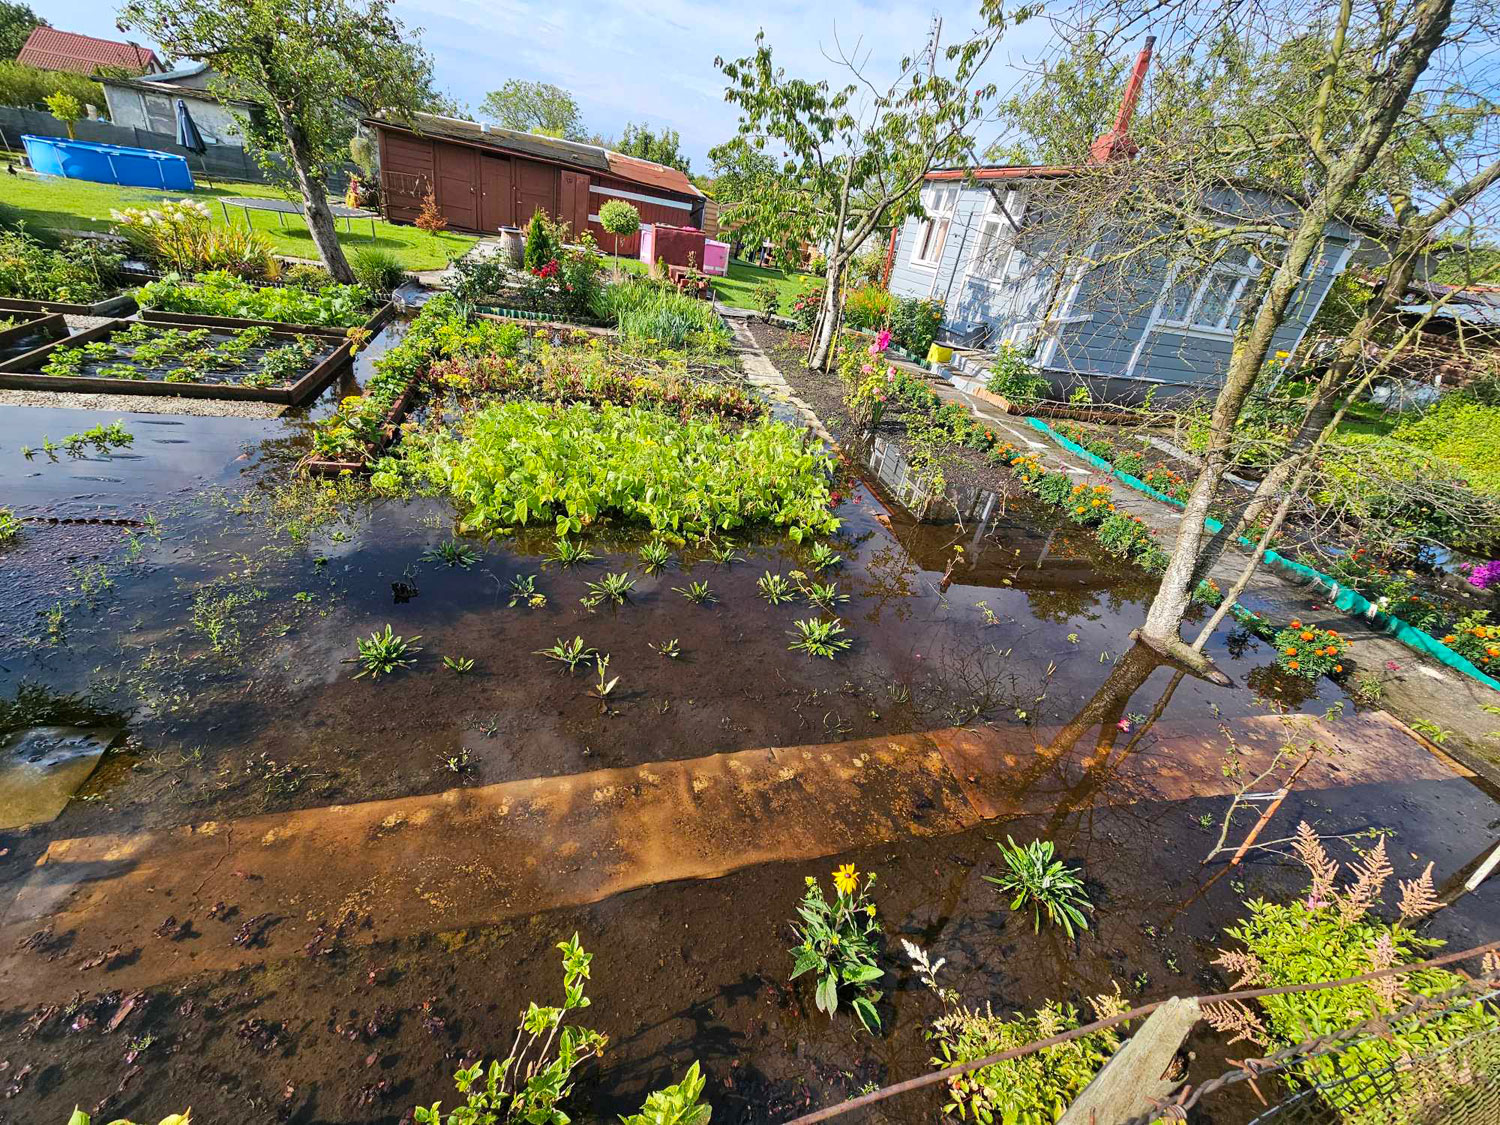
[574, 153]
[54, 49]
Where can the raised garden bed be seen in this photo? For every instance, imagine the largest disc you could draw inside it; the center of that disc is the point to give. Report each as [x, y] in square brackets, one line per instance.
[27, 331]
[379, 320]
[121, 304]
[261, 363]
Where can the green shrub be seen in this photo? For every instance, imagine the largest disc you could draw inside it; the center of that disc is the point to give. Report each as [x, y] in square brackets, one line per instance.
[867, 307]
[1132, 463]
[915, 322]
[619, 219]
[766, 299]
[377, 270]
[519, 463]
[1461, 430]
[1053, 488]
[219, 293]
[83, 271]
[30, 86]
[1013, 377]
[541, 247]
[805, 306]
[1124, 535]
[1332, 934]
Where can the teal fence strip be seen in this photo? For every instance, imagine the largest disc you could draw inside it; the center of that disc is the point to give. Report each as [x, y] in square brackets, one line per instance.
[1349, 601]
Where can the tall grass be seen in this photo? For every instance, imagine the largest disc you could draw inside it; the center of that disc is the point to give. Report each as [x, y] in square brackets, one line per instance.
[646, 312]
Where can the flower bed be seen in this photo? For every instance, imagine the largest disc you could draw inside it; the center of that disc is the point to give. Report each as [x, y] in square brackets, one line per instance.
[82, 277]
[133, 357]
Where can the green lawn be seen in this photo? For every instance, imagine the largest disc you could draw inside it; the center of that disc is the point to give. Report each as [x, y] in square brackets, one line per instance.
[737, 288]
[49, 202]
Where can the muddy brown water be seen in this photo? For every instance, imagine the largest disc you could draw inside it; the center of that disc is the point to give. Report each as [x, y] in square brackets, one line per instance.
[999, 702]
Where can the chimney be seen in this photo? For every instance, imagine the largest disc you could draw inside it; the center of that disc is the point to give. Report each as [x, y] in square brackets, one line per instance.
[1116, 144]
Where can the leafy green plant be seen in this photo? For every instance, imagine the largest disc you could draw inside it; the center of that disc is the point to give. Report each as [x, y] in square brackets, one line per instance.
[817, 637]
[656, 317]
[613, 588]
[460, 665]
[655, 555]
[670, 649]
[567, 553]
[453, 553]
[78, 1117]
[10, 526]
[378, 271]
[572, 653]
[824, 595]
[915, 322]
[1014, 378]
[603, 688]
[674, 1105]
[1330, 934]
[824, 556]
[523, 592]
[82, 271]
[765, 298]
[220, 293]
[1047, 884]
[724, 554]
[696, 592]
[102, 437]
[1035, 1088]
[775, 589]
[528, 1085]
[516, 463]
[836, 942]
[383, 653]
[867, 307]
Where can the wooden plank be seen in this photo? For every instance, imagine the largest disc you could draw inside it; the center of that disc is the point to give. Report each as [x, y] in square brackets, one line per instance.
[51, 325]
[1130, 1082]
[121, 304]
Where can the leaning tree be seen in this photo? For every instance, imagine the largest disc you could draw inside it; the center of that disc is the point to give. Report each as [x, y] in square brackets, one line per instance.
[303, 70]
[856, 155]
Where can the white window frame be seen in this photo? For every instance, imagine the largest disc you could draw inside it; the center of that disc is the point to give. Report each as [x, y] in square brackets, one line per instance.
[1006, 218]
[931, 198]
[1244, 275]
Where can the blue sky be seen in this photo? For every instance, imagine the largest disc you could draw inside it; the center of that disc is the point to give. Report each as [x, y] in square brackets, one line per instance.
[644, 60]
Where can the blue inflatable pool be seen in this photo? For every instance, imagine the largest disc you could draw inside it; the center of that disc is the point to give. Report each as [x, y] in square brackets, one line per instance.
[108, 164]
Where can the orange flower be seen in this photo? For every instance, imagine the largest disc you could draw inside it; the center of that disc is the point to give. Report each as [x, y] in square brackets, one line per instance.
[1449, 639]
[1307, 636]
[1338, 667]
[1293, 665]
[1296, 624]
[1291, 650]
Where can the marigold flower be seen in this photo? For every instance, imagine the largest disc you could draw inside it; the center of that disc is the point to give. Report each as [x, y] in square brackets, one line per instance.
[1338, 667]
[1291, 650]
[846, 879]
[1449, 639]
[1307, 636]
[1293, 665]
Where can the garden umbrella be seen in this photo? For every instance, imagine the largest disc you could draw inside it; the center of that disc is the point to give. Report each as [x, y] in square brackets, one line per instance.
[188, 135]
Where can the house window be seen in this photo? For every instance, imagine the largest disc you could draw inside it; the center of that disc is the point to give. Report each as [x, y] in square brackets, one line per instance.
[996, 246]
[938, 200]
[1213, 299]
[160, 116]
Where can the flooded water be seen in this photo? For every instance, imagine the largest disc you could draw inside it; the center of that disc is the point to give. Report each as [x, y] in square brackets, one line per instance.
[312, 897]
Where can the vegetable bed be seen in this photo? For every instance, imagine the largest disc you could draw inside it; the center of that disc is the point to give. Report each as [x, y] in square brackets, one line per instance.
[221, 299]
[21, 332]
[260, 363]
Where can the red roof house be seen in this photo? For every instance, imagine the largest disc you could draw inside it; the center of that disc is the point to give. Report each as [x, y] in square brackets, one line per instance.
[52, 49]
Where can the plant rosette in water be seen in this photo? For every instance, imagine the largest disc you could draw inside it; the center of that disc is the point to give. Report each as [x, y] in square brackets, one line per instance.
[1310, 652]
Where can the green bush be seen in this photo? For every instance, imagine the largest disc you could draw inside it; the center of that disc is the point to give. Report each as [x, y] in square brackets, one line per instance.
[766, 299]
[915, 322]
[377, 270]
[1464, 431]
[619, 219]
[30, 86]
[82, 271]
[541, 246]
[867, 307]
[1014, 378]
[519, 463]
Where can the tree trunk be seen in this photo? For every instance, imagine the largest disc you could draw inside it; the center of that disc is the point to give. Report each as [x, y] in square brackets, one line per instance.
[826, 332]
[315, 202]
[1251, 346]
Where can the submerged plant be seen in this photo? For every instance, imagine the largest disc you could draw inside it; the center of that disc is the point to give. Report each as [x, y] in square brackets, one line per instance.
[383, 653]
[836, 943]
[775, 589]
[523, 592]
[817, 637]
[613, 588]
[10, 526]
[724, 554]
[695, 592]
[528, 1085]
[461, 665]
[656, 555]
[604, 687]
[824, 596]
[568, 553]
[1049, 884]
[667, 648]
[824, 556]
[572, 653]
[453, 552]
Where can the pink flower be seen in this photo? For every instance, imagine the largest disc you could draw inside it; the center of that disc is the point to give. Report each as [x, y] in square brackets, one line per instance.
[1392, 666]
[1124, 725]
[883, 341]
[867, 369]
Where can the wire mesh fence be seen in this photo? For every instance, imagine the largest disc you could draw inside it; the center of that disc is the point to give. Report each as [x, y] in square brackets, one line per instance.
[1406, 1068]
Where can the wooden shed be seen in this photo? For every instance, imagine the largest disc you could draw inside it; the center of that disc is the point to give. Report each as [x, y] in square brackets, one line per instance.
[484, 177]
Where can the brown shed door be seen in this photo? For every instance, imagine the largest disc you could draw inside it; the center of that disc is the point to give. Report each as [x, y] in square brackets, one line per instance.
[458, 185]
[536, 188]
[574, 202]
[497, 203]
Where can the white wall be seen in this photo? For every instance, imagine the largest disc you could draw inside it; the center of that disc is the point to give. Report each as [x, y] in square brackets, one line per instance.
[128, 107]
